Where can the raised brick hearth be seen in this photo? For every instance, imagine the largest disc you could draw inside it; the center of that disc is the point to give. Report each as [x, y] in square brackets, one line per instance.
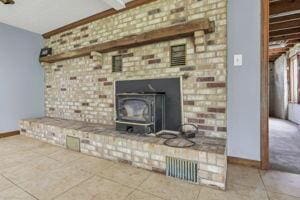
[145, 152]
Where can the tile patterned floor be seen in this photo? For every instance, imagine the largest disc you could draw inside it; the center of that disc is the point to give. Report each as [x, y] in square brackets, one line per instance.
[30, 170]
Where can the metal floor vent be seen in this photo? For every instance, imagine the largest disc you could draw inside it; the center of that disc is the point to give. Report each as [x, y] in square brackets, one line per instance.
[182, 169]
[73, 143]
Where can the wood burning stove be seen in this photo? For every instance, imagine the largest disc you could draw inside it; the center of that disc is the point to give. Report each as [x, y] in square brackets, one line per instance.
[142, 113]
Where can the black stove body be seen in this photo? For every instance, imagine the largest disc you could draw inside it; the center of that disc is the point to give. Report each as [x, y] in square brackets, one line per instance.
[141, 113]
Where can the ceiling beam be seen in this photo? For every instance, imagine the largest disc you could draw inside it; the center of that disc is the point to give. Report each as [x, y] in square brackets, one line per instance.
[278, 50]
[285, 37]
[283, 6]
[286, 18]
[285, 25]
[295, 41]
[116, 4]
[276, 53]
[284, 32]
[274, 58]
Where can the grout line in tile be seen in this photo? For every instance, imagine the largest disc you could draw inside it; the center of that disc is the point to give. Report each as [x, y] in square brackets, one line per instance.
[90, 177]
[262, 180]
[138, 189]
[44, 154]
[198, 193]
[20, 187]
[129, 194]
[61, 161]
[151, 194]
[109, 179]
[284, 194]
[7, 180]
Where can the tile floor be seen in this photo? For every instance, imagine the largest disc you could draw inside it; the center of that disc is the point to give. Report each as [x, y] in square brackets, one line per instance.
[30, 169]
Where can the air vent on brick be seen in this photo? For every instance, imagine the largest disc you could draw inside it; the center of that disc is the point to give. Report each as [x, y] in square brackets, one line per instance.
[178, 55]
[182, 169]
[117, 63]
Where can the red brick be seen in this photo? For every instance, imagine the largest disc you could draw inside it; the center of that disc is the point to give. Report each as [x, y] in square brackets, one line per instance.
[196, 121]
[189, 103]
[176, 10]
[93, 41]
[216, 110]
[205, 115]
[154, 61]
[97, 67]
[107, 83]
[84, 28]
[215, 85]
[188, 68]
[76, 38]
[127, 55]
[205, 79]
[102, 96]
[102, 79]
[222, 129]
[154, 11]
[66, 34]
[146, 57]
[77, 111]
[208, 128]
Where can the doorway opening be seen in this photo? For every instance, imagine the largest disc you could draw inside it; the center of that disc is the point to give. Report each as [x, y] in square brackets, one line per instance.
[281, 86]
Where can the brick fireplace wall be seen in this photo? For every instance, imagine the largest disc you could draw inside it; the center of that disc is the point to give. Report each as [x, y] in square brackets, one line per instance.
[83, 88]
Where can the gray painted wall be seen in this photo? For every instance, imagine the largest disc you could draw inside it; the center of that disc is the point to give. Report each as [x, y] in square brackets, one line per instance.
[244, 82]
[21, 76]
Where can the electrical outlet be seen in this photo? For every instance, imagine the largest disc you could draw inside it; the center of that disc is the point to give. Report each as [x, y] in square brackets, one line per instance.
[238, 60]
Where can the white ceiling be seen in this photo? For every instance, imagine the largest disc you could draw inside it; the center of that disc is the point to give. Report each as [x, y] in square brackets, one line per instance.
[41, 16]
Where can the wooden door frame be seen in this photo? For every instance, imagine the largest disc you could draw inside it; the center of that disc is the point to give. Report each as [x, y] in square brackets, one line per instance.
[264, 85]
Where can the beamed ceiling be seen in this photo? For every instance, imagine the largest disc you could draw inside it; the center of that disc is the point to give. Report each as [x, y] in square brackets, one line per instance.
[284, 26]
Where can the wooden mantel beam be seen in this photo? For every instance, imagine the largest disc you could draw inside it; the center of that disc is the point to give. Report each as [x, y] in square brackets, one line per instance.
[159, 35]
[283, 6]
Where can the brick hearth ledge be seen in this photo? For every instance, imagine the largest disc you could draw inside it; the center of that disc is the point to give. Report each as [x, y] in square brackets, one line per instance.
[145, 152]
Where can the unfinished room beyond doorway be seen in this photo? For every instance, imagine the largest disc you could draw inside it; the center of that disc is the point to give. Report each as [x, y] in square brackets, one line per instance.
[284, 93]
